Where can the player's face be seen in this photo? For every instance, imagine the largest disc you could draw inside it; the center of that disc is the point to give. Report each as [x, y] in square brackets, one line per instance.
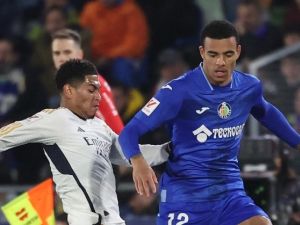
[63, 50]
[219, 59]
[86, 97]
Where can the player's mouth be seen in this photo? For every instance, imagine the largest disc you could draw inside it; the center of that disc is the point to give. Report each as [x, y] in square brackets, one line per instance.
[96, 106]
[220, 73]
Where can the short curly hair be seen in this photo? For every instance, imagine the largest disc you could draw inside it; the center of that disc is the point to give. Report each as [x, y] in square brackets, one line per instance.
[219, 29]
[74, 71]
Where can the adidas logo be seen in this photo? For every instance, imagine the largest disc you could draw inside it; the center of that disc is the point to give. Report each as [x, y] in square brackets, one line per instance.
[80, 129]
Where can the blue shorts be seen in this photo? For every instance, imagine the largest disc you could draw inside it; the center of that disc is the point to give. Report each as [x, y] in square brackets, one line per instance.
[229, 211]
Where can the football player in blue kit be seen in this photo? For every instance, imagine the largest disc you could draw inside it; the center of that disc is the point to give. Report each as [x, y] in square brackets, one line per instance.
[206, 110]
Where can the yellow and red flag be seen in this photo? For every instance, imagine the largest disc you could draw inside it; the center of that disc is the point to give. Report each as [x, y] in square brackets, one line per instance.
[34, 207]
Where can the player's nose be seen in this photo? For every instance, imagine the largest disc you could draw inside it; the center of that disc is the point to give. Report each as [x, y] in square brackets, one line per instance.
[98, 96]
[220, 60]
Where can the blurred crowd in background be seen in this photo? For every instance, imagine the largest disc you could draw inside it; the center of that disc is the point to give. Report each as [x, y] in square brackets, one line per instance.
[138, 46]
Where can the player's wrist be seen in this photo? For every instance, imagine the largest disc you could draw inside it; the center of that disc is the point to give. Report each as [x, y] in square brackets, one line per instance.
[137, 159]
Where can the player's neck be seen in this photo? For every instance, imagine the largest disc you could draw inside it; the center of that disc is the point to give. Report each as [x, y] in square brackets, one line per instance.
[70, 107]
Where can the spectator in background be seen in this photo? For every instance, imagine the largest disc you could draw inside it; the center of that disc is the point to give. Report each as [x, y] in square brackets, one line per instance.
[290, 67]
[21, 94]
[69, 8]
[128, 100]
[8, 23]
[291, 34]
[209, 14]
[230, 7]
[17, 88]
[294, 117]
[55, 19]
[36, 13]
[119, 39]
[12, 78]
[287, 81]
[292, 15]
[172, 26]
[258, 36]
[171, 64]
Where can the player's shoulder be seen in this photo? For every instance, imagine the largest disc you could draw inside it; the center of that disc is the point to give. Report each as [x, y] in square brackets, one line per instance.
[182, 82]
[45, 114]
[245, 79]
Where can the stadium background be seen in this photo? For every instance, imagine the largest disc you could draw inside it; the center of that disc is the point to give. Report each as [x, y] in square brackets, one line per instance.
[156, 51]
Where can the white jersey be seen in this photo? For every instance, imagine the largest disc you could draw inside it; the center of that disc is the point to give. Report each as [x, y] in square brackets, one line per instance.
[80, 153]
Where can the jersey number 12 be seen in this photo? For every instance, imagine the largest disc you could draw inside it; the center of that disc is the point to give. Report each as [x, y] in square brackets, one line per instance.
[182, 218]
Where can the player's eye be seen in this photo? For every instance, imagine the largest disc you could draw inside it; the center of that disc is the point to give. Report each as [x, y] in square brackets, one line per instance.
[67, 52]
[228, 55]
[212, 55]
[92, 89]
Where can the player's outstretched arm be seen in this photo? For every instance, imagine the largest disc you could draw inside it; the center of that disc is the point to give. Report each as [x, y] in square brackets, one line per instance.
[34, 129]
[143, 176]
[270, 117]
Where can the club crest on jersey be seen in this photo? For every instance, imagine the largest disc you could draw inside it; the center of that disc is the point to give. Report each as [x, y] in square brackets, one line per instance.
[224, 110]
[150, 106]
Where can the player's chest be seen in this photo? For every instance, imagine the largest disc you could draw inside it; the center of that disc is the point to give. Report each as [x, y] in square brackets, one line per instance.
[221, 108]
[88, 139]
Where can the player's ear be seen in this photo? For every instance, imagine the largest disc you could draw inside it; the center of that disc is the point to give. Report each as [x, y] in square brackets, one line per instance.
[67, 90]
[80, 54]
[238, 50]
[201, 50]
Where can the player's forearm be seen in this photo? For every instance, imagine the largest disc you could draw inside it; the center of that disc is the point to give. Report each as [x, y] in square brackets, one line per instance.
[275, 121]
[129, 138]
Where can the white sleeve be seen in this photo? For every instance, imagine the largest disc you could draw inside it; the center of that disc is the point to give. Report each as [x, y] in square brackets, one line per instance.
[35, 129]
[153, 154]
[116, 155]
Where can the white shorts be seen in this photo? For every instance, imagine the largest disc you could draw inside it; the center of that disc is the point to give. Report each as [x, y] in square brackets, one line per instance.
[79, 218]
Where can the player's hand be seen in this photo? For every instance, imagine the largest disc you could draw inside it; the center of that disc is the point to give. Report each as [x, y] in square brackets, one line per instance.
[143, 176]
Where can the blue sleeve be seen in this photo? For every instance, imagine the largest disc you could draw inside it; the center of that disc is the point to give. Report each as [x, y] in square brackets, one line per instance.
[129, 138]
[161, 109]
[270, 117]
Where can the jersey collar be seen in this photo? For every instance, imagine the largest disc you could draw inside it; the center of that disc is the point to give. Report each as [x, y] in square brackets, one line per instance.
[208, 83]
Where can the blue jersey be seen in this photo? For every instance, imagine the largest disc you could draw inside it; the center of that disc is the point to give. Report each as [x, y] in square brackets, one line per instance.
[206, 124]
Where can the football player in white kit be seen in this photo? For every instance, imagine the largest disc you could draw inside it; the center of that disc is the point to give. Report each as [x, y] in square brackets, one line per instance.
[79, 146]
